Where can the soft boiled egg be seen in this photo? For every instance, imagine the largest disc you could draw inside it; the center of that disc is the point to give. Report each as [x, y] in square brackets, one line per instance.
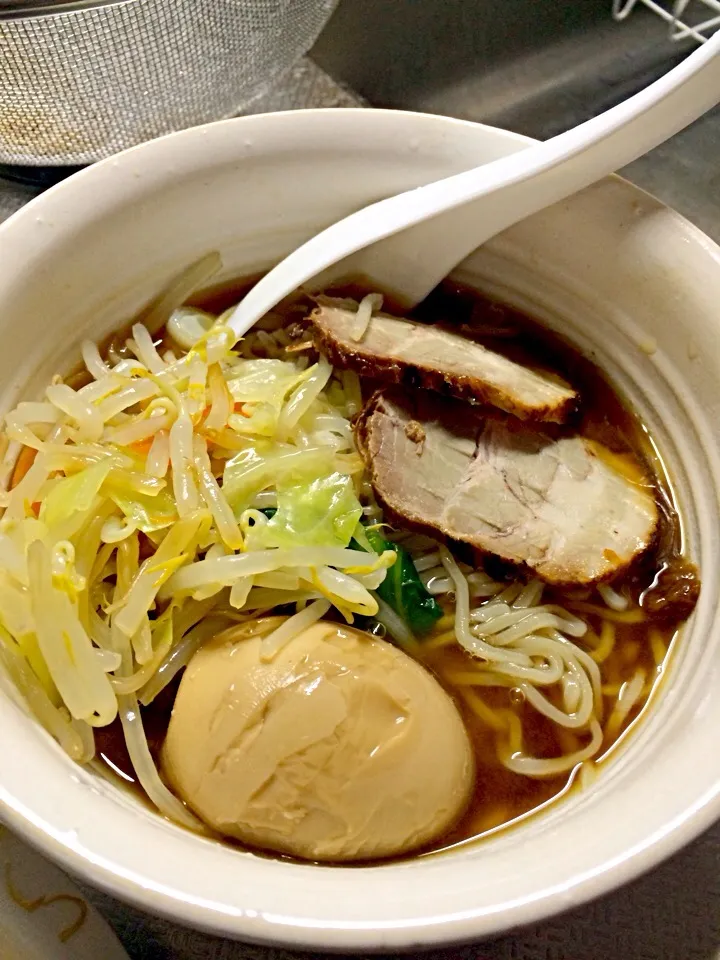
[339, 747]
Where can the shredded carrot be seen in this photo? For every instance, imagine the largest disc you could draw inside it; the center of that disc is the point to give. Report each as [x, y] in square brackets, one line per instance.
[141, 446]
[25, 460]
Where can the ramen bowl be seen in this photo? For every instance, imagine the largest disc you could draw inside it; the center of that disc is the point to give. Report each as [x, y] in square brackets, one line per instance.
[628, 281]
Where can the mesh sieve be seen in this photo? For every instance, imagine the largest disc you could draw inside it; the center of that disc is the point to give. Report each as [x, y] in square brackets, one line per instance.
[80, 81]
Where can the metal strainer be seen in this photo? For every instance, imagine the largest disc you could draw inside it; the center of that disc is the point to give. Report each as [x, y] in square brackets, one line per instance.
[80, 81]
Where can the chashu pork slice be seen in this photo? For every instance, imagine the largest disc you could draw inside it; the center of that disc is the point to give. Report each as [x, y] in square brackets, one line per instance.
[562, 505]
[418, 354]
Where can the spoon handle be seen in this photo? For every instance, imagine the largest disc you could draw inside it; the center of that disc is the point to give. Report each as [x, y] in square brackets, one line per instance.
[451, 217]
[496, 196]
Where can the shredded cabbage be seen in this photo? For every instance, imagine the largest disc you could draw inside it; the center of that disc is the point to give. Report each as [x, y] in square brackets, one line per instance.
[188, 484]
[321, 512]
[135, 530]
[146, 513]
[73, 495]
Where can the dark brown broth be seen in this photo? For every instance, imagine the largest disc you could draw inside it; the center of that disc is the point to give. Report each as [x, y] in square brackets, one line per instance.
[500, 796]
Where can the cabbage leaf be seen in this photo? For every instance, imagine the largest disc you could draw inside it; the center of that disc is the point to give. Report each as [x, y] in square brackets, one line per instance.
[322, 512]
[74, 494]
[148, 514]
[267, 464]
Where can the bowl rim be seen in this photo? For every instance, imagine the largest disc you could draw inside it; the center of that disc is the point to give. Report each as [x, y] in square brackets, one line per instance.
[445, 929]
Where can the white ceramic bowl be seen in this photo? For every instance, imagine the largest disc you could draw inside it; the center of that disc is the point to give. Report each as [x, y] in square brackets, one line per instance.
[629, 281]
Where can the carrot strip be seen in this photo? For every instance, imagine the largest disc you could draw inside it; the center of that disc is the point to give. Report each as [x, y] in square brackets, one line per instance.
[141, 446]
[25, 460]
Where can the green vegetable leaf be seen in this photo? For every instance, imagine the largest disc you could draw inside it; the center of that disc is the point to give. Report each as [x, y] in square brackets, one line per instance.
[262, 387]
[402, 588]
[361, 541]
[322, 512]
[266, 464]
[265, 381]
[149, 514]
[74, 494]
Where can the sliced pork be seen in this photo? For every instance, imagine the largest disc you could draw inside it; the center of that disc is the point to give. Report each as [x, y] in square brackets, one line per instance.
[417, 354]
[564, 506]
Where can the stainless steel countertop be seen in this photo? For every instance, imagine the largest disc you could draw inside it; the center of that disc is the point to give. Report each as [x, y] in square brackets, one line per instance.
[672, 913]
[537, 69]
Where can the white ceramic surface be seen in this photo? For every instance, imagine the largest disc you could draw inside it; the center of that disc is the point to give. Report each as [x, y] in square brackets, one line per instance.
[65, 927]
[628, 280]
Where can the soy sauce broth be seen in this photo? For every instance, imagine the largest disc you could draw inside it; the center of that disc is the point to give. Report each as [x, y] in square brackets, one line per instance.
[638, 642]
[501, 796]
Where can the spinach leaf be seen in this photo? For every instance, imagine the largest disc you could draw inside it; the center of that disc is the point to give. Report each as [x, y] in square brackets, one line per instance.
[402, 588]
